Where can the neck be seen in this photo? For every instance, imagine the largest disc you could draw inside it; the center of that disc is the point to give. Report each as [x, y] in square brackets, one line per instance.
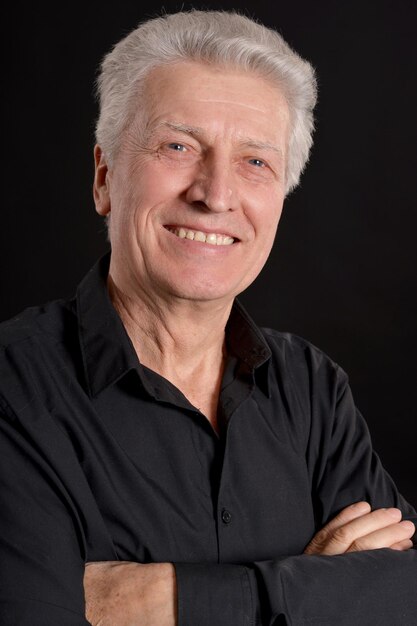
[178, 339]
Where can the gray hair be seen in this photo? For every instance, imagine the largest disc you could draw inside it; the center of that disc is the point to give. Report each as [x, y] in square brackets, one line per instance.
[215, 37]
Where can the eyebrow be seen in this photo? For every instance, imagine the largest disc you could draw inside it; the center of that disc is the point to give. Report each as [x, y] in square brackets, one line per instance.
[195, 131]
[183, 128]
[260, 145]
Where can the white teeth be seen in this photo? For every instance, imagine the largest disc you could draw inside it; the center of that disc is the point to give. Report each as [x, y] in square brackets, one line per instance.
[211, 238]
[198, 235]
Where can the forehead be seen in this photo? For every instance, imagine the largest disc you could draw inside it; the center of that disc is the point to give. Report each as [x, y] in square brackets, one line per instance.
[211, 96]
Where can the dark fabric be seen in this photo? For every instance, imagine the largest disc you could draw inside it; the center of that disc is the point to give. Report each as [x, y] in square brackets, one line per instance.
[103, 459]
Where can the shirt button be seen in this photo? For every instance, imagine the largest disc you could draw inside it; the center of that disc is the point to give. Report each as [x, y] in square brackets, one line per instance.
[226, 516]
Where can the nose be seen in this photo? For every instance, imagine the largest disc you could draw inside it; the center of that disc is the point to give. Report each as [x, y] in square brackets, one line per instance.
[212, 188]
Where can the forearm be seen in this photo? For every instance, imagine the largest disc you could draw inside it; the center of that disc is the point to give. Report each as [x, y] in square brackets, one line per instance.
[377, 586]
[313, 586]
[121, 593]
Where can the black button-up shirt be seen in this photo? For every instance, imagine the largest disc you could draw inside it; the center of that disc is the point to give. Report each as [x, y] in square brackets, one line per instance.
[103, 459]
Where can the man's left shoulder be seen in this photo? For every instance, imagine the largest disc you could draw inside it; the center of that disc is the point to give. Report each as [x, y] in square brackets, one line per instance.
[294, 351]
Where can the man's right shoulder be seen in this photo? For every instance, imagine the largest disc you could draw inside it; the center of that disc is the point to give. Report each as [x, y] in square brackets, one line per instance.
[45, 323]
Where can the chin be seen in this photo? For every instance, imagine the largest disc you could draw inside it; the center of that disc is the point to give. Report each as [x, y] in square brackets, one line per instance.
[203, 292]
[189, 284]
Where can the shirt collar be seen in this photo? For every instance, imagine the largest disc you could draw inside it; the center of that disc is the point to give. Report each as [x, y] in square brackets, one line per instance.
[108, 353]
[246, 341]
[106, 348]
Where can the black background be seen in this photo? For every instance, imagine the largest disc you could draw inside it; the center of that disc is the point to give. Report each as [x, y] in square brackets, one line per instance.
[344, 267]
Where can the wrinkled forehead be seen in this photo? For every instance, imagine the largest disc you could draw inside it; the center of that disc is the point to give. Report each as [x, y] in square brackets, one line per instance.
[189, 92]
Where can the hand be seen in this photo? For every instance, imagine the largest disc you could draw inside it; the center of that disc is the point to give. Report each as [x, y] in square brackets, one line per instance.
[120, 593]
[356, 528]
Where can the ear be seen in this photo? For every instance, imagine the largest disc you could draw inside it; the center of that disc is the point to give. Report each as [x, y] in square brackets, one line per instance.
[101, 187]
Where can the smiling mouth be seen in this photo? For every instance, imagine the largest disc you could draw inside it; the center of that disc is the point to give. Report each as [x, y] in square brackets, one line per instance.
[213, 239]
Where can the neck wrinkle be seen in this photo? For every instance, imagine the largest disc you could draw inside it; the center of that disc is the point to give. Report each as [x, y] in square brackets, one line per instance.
[181, 340]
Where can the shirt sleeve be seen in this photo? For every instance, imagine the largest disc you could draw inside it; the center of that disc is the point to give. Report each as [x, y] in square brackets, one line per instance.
[362, 588]
[41, 567]
[42, 564]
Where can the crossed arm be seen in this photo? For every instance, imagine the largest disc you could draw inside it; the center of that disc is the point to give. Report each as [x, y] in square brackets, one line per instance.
[124, 593]
[50, 524]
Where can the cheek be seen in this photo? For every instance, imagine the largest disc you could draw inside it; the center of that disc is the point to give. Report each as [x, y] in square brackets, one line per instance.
[123, 215]
[161, 176]
[266, 229]
[266, 216]
[173, 183]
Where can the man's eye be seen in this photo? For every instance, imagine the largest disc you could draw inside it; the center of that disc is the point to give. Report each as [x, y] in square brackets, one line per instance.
[177, 147]
[257, 162]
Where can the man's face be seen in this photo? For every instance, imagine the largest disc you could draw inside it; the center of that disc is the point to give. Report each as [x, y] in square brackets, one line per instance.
[195, 193]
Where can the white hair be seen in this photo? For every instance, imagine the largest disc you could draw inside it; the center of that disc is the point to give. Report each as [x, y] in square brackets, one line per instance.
[216, 37]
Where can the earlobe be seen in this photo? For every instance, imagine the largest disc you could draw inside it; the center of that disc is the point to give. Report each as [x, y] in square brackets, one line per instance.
[101, 187]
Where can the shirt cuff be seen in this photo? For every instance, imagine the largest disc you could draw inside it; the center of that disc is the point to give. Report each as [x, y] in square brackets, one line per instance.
[211, 594]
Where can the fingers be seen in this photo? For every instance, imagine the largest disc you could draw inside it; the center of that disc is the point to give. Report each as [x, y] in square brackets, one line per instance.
[357, 528]
[321, 539]
[393, 534]
[402, 545]
[349, 514]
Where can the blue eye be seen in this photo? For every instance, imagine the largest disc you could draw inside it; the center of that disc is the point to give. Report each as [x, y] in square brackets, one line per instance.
[257, 162]
[177, 147]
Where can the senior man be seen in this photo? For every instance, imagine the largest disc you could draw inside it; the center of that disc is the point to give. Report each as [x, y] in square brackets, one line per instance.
[164, 460]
